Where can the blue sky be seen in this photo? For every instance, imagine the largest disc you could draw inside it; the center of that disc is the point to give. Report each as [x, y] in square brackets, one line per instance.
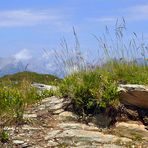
[29, 26]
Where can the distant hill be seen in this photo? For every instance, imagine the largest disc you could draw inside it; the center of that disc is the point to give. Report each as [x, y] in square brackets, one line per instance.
[10, 65]
[32, 77]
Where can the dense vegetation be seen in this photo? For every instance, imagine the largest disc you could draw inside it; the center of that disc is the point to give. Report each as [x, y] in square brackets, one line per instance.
[90, 91]
[17, 93]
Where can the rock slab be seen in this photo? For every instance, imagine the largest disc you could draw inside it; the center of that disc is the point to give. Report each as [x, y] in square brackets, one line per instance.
[132, 94]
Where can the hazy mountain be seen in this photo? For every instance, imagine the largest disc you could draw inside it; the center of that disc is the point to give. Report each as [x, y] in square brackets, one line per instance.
[11, 66]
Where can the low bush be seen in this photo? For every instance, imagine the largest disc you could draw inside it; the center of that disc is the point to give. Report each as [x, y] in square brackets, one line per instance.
[90, 91]
[14, 100]
[4, 136]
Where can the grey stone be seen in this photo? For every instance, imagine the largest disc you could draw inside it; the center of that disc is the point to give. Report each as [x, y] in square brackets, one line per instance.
[131, 130]
[44, 87]
[78, 126]
[52, 134]
[91, 136]
[30, 116]
[112, 146]
[101, 120]
[67, 116]
[53, 100]
[31, 128]
[18, 142]
[59, 111]
[52, 143]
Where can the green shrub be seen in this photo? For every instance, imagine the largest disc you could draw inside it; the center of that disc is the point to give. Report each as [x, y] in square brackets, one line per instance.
[4, 136]
[89, 91]
[14, 100]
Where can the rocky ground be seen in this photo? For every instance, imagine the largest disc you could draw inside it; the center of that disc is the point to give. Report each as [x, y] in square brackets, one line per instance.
[49, 125]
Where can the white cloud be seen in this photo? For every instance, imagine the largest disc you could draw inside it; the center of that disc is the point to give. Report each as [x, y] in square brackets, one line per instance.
[133, 13]
[22, 55]
[136, 13]
[139, 9]
[13, 18]
[102, 19]
[42, 64]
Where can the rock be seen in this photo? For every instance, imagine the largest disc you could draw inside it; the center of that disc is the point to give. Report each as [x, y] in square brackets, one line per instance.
[145, 120]
[112, 146]
[53, 104]
[89, 136]
[127, 112]
[102, 120]
[31, 128]
[132, 113]
[52, 100]
[42, 87]
[67, 116]
[18, 142]
[57, 112]
[78, 126]
[51, 143]
[136, 95]
[80, 135]
[26, 116]
[131, 130]
[52, 134]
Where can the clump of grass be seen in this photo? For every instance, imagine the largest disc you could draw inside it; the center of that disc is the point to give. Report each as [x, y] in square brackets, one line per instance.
[125, 72]
[90, 91]
[4, 136]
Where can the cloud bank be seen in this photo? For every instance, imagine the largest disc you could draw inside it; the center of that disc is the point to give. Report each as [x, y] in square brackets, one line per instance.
[19, 61]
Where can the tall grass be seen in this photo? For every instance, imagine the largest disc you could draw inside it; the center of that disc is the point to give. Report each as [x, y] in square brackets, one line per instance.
[94, 87]
[68, 59]
[120, 55]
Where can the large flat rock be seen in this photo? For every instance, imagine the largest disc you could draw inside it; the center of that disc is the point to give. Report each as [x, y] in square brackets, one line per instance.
[132, 94]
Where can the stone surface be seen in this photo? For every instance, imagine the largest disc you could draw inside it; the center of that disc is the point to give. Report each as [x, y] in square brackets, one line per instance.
[44, 87]
[102, 120]
[29, 116]
[18, 142]
[78, 126]
[129, 112]
[132, 130]
[49, 125]
[54, 104]
[136, 95]
[66, 115]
